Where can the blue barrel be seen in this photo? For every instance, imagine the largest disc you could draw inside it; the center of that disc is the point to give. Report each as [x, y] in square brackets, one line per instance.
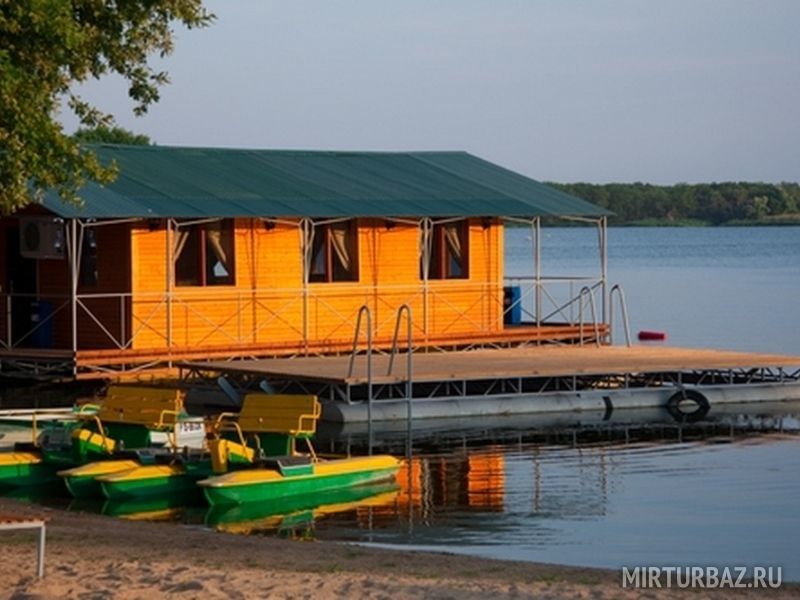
[512, 305]
[42, 320]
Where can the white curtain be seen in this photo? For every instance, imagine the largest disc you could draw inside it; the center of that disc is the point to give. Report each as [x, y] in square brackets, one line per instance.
[214, 237]
[453, 238]
[340, 232]
[179, 242]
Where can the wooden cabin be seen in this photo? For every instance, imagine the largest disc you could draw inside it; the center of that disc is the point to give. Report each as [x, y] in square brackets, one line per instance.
[206, 253]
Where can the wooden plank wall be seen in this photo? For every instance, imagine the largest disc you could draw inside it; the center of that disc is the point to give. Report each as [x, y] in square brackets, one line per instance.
[265, 305]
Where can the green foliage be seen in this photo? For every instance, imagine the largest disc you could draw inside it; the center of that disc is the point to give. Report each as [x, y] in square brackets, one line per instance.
[49, 46]
[683, 204]
[110, 135]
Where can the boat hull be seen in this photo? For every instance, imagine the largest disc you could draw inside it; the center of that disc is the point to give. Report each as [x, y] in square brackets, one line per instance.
[265, 485]
[82, 481]
[23, 469]
[153, 480]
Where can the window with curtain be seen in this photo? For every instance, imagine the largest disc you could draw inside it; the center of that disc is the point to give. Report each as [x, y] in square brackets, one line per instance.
[334, 252]
[449, 257]
[204, 254]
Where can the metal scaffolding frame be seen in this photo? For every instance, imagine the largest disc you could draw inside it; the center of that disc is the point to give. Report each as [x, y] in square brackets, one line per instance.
[546, 304]
[500, 386]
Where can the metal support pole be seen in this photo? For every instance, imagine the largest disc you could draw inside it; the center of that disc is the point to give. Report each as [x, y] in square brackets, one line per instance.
[122, 341]
[369, 378]
[254, 283]
[603, 233]
[537, 264]
[40, 553]
[74, 257]
[426, 232]
[170, 268]
[306, 243]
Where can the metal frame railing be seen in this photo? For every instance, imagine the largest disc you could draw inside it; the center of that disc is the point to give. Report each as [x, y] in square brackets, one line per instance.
[409, 375]
[548, 303]
[364, 310]
[587, 291]
[120, 320]
[238, 316]
[127, 320]
[624, 309]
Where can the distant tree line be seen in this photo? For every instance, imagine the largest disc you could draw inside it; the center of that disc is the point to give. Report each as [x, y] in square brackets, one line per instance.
[685, 204]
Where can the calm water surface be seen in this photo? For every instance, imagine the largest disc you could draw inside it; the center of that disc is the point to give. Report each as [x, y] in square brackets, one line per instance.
[657, 503]
[717, 287]
[653, 504]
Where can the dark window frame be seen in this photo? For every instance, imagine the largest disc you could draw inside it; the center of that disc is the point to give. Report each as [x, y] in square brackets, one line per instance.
[441, 259]
[322, 247]
[194, 256]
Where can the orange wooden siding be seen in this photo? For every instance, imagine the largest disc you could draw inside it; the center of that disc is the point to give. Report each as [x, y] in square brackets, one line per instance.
[266, 303]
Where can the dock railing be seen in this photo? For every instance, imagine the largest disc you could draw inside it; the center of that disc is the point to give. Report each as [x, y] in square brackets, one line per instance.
[364, 310]
[587, 292]
[544, 299]
[157, 324]
[405, 309]
[623, 309]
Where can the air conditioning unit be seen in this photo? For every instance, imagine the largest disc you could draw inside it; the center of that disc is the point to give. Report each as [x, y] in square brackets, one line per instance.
[42, 237]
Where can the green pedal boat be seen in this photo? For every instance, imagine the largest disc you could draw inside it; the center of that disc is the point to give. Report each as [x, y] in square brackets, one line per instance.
[255, 456]
[133, 425]
[170, 477]
[35, 463]
[19, 468]
[279, 478]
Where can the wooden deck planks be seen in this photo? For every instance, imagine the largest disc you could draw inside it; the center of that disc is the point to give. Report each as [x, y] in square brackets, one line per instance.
[542, 361]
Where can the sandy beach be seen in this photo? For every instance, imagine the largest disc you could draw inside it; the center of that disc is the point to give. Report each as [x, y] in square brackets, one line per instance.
[92, 556]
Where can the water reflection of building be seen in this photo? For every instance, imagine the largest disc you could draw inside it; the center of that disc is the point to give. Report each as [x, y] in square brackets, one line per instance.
[556, 482]
[465, 481]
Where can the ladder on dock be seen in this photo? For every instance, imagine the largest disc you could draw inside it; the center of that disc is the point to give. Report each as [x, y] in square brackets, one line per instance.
[403, 309]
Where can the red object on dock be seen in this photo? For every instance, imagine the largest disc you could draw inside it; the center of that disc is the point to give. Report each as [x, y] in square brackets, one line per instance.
[645, 335]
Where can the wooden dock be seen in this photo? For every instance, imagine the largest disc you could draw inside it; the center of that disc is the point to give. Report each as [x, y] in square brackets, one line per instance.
[538, 361]
[134, 362]
[508, 381]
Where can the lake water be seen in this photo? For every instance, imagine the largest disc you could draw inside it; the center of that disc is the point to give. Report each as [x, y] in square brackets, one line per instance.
[639, 489]
[658, 502]
[717, 287]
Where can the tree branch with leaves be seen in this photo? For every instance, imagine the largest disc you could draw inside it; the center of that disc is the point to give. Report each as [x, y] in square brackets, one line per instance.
[47, 47]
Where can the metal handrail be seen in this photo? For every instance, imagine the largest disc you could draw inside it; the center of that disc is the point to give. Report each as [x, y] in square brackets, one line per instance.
[404, 308]
[364, 310]
[585, 290]
[624, 308]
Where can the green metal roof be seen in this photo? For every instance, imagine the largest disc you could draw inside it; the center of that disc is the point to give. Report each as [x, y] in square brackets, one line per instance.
[158, 181]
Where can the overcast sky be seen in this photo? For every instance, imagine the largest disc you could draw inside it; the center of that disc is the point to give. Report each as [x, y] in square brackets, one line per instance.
[561, 90]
